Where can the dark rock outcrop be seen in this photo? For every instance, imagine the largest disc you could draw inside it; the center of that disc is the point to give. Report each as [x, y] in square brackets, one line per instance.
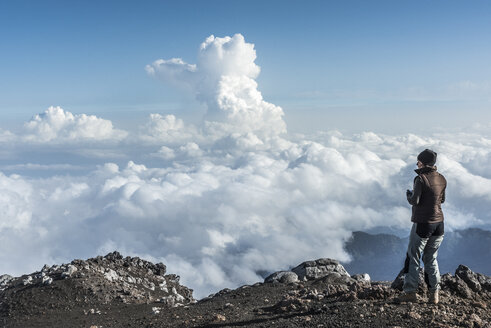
[99, 280]
[398, 282]
[465, 283]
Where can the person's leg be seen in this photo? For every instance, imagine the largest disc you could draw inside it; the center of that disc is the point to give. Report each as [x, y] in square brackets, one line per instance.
[414, 250]
[430, 254]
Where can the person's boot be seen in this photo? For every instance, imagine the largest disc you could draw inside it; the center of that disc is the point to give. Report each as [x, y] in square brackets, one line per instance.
[408, 297]
[434, 299]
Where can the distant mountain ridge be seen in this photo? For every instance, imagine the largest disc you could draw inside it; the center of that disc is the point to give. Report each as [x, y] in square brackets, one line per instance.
[382, 255]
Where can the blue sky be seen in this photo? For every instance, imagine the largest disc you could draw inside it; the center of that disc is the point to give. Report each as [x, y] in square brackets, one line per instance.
[323, 62]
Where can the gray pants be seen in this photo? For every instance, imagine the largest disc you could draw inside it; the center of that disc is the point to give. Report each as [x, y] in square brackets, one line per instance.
[429, 248]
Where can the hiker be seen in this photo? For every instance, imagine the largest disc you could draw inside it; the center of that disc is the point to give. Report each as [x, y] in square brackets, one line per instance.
[428, 228]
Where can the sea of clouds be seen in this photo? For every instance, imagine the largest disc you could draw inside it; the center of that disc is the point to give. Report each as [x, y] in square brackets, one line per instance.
[223, 202]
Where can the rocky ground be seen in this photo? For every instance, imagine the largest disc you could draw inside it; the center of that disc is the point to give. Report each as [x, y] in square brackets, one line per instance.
[113, 291]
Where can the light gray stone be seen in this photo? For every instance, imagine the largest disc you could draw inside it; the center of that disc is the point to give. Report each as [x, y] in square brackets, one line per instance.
[311, 270]
[27, 281]
[284, 277]
[4, 281]
[362, 277]
[47, 280]
[70, 270]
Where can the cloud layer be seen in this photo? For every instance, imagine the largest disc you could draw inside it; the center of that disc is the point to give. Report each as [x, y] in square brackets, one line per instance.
[220, 217]
[223, 202]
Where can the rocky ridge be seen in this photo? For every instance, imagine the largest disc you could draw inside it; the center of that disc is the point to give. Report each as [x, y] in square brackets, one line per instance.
[99, 280]
[114, 292]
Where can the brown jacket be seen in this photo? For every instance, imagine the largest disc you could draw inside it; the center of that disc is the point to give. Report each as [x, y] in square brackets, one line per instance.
[428, 195]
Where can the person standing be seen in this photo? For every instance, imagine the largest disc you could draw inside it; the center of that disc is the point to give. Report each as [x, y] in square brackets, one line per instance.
[428, 228]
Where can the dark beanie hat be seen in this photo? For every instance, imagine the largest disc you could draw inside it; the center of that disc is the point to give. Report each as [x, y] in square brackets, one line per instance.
[427, 157]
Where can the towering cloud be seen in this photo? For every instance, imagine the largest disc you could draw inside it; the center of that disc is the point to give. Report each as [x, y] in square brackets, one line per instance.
[224, 79]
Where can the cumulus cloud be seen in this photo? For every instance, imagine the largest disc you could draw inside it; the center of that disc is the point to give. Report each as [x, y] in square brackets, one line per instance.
[6, 136]
[224, 203]
[167, 129]
[173, 71]
[57, 125]
[224, 79]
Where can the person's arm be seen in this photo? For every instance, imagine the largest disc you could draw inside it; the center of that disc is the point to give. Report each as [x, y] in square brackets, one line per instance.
[414, 196]
[443, 196]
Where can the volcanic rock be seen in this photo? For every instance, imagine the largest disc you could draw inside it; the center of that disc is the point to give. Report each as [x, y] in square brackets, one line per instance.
[284, 277]
[99, 280]
[311, 270]
[398, 282]
[475, 281]
[361, 278]
[326, 296]
[323, 270]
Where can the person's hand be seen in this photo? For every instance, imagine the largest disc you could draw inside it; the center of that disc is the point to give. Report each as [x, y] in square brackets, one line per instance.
[409, 193]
